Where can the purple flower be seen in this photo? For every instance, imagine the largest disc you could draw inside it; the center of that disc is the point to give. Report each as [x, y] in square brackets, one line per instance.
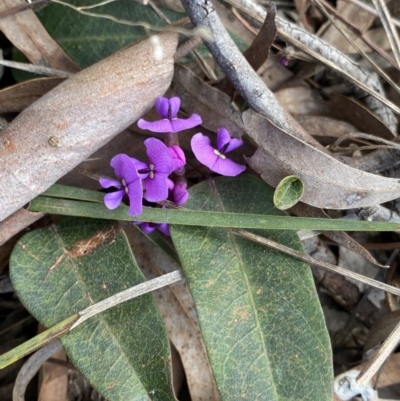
[148, 228]
[178, 156]
[155, 174]
[168, 110]
[214, 158]
[129, 184]
[179, 193]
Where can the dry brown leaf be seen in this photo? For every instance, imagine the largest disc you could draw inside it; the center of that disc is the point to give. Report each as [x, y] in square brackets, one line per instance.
[26, 33]
[328, 183]
[300, 101]
[178, 311]
[325, 127]
[16, 98]
[68, 124]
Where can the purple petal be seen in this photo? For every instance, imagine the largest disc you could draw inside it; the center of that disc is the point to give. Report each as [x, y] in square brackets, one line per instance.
[233, 144]
[140, 166]
[203, 150]
[170, 184]
[162, 126]
[162, 107]
[174, 104]
[227, 167]
[178, 156]
[225, 143]
[148, 228]
[206, 155]
[124, 168]
[156, 188]
[180, 124]
[113, 199]
[107, 183]
[223, 138]
[164, 228]
[135, 194]
[180, 194]
[159, 156]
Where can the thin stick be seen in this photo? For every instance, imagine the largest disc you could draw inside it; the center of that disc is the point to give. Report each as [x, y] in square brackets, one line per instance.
[36, 69]
[123, 296]
[306, 258]
[66, 325]
[380, 357]
[391, 31]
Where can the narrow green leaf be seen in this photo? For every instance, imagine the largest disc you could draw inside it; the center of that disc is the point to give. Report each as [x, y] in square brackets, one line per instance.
[288, 192]
[205, 218]
[258, 309]
[60, 270]
[67, 192]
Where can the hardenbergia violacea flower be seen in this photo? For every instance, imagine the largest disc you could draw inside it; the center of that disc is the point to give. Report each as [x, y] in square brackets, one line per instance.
[168, 111]
[215, 157]
[155, 174]
[130, 184]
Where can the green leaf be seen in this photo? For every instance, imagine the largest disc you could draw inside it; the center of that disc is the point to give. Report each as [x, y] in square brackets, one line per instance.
[288, 192]
[202, 218]
[258, 309]
[88, 39]
[60, 270]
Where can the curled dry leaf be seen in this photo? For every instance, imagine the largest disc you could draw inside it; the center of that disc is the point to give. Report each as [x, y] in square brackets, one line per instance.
[27, 34]
[328, 183]
[68, 124]
[16, 98]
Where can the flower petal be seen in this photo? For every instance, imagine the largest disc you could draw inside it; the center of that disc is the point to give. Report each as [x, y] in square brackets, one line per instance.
[121, 164]
[159, 156]
[234, 143]
[164, 228]
[162, 126]
[148, 228]
[227, 167]
[180, 124]
[223, 138]
[135, 194]
[162, 107]
[107, 183]
[174, 104]
[113, 199]
[180, 194]
[140, 167]
[156, 188]
[178, 156]
[202, 149]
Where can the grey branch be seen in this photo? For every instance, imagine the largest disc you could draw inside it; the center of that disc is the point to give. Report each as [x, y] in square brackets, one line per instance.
[238, 70]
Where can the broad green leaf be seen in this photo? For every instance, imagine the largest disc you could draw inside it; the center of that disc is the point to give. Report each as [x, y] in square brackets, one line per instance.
[60, 270]
[88, 39]
[288, 192]
[258, 309]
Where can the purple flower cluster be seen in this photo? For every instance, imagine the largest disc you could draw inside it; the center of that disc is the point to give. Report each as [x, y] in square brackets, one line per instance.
[161, 177]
